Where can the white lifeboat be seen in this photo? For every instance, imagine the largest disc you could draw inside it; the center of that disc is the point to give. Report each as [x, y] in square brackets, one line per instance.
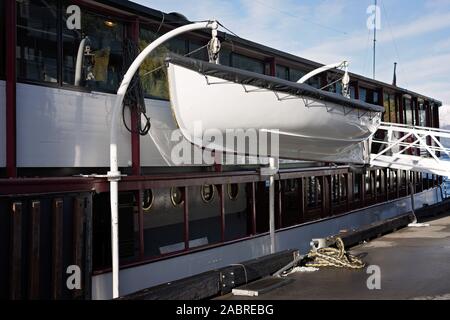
[307, 123]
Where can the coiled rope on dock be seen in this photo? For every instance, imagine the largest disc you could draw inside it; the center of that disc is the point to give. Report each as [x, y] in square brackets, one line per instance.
[333, 257]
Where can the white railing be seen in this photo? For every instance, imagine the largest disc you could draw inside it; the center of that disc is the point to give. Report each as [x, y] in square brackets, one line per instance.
[400, 146]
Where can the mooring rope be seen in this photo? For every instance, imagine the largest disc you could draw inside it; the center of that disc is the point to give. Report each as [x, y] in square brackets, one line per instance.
[333, 257]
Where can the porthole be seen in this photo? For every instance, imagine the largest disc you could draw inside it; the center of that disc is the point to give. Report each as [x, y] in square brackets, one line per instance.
[147, 201]
[208, 192]
[176, 196]
[233, 191]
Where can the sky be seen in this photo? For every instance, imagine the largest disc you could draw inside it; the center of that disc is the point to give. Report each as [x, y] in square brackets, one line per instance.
[413, 33]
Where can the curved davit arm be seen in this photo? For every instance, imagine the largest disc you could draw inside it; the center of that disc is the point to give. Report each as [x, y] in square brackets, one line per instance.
[114, 174]
[345, 79]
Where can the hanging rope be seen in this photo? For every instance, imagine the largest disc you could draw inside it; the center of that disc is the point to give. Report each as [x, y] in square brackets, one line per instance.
[333, 257]
[134, 98]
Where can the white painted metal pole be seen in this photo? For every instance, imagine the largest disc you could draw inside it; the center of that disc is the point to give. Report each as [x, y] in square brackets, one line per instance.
[322, 69]
[273, 164]
[114, 174]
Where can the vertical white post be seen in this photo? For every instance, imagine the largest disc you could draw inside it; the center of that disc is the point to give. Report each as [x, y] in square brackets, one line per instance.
[273, 164]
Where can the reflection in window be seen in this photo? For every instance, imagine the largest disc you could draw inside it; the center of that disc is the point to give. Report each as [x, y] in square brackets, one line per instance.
[362, 94]
[392, 109]
[225, 57]
[93, 55]
[422, 113]
[295, 74]
[386, 117]
[408, 111]
[282, 72]
[153, 78]
[197, 52]
[36, 40]
[246, 63]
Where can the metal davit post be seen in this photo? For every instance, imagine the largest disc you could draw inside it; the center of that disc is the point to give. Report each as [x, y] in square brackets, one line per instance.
[114, 175]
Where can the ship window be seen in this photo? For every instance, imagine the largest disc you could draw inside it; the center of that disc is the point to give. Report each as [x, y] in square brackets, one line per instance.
[246, 63]
[233, 191]
[207, 193]
[154, 80]
[225, 57]
[386, 105]
[352, 92]
[376, 97]
[295, 74]
[37, 41]
[176, 197]
[389, 106]
[282, 72]
[362, 94]
[148, 199]
[422, 119]
[197, 52]
[92, 50]
[2, 38]
[392, 108]
[408, 111]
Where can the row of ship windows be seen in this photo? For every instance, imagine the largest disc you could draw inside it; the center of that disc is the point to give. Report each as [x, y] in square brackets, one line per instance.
[68, 45]
[313, 190]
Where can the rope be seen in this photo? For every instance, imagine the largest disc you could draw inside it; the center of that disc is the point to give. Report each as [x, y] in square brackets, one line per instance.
[333, 257]
[134, 98]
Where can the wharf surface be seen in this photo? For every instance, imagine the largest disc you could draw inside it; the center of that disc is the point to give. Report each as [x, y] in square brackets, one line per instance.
[414, 264]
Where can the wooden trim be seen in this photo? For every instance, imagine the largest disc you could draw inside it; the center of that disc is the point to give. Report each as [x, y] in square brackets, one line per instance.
[16, 252]
[78, 238]
[57, 247]
[35, 224]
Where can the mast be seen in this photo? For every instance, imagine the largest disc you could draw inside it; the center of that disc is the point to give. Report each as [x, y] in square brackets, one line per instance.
[375, 40]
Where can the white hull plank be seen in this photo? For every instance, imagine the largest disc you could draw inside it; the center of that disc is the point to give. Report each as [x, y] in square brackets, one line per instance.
[309, 129]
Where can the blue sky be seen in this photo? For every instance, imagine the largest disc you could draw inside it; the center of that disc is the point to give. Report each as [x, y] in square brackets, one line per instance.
[416, 34]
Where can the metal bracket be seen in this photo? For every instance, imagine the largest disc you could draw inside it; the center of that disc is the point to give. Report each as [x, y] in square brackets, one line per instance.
[227, 282]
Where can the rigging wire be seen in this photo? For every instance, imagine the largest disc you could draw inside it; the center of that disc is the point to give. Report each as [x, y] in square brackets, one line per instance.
[296, 16]
[397, 52]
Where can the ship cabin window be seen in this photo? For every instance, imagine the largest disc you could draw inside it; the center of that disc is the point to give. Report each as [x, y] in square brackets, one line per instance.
[92, 49]
[422, 113]
[295, 74]
[389, 106]
[408, 112]
[37, 40]
[246, 63]
[376, 98]
[2, 39]
[362, 94]
[282, 72]
[352, 92]
[196, 50]
[225, 57]
[153, 78]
